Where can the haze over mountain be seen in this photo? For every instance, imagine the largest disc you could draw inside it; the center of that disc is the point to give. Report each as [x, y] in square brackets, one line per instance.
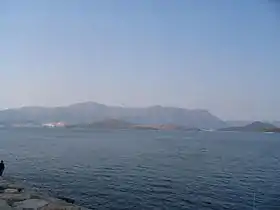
[89, 112]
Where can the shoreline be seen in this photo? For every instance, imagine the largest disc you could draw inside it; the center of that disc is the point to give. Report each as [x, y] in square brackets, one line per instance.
[19, 197]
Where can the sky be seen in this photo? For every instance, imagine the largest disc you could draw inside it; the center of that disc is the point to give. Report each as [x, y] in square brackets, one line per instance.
[223, 56]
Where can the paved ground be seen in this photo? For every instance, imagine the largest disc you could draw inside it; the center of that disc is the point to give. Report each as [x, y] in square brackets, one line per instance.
[13, 196]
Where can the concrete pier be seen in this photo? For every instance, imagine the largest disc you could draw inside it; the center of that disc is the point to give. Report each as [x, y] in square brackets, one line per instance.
[14, 196]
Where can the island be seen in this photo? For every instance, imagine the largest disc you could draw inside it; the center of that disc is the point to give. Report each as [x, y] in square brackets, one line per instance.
[256, 126]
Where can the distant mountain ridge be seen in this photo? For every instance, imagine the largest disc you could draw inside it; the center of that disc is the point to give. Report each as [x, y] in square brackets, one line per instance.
[89, 112]
[240, 123]
[255, 126]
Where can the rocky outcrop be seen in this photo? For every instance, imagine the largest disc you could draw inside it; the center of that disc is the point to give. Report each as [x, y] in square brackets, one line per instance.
[16, 197]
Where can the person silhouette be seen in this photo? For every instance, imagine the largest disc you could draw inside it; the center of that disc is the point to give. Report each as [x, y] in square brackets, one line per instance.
[2, 167]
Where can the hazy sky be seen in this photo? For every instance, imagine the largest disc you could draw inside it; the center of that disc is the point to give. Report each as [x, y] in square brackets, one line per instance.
[220, 55]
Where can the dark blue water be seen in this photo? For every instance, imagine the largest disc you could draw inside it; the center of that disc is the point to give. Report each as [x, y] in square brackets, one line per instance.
[148, 169]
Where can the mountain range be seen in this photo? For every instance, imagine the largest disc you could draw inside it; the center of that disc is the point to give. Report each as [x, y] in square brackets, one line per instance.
[90, 112]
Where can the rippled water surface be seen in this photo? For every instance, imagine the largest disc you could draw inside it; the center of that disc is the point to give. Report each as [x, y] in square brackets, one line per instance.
[147, 169]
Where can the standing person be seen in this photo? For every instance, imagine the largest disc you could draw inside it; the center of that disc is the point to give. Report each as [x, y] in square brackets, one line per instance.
[2, 167]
